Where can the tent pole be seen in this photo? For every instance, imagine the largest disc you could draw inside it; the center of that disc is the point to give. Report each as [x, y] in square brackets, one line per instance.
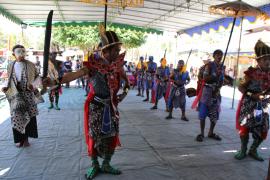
[237, 62]
[105, 16]
[225, 54]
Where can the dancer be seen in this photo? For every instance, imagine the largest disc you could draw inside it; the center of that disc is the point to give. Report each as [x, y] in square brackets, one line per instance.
[20, 92]
[55, 73]
[209, 104]
[140, 74]
[162, 76]
[150, 76]
[177, 97]
[101, 113]
[252, 114]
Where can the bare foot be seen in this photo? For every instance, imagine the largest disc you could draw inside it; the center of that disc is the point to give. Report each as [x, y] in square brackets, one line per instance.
[26, 143]
[19, 145]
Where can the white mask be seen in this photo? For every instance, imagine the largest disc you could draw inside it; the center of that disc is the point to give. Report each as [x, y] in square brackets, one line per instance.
[20, 52]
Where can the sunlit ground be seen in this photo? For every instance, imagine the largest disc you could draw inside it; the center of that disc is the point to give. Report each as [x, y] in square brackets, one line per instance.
[3, 171]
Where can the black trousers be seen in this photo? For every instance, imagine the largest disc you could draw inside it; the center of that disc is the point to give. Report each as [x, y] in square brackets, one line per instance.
[56, 94]
[30, 131]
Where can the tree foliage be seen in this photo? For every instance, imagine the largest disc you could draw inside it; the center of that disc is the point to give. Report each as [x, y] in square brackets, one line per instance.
[8, 40]
[3, 40]
[88, 37]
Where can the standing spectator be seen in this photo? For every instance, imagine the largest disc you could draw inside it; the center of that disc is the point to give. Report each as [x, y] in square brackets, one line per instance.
[191, 71]
[125, 67]
[37, 64]
[77, 67]
[68, 68]
[195, 73]
[134, 66]
[171, 68]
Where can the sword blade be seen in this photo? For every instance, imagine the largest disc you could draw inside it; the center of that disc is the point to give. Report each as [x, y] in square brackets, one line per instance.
[47, 44]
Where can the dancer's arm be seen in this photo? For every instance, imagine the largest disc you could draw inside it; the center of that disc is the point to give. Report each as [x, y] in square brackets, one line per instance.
[244, 90]
[243, 85]
[74, 75]
[125, 88]
[67, 77]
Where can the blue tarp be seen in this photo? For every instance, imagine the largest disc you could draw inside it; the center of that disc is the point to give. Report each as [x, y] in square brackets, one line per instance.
[225, 22]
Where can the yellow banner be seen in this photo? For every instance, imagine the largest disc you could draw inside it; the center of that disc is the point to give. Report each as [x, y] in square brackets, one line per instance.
[116, 3]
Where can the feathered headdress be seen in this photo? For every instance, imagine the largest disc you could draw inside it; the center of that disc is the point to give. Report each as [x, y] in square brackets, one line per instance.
[261, 49]
[108, 38]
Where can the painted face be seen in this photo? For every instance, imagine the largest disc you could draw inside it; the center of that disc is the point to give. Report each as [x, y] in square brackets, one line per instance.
[20, 53]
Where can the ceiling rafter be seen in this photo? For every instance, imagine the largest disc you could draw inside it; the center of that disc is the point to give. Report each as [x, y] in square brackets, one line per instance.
[169, 15]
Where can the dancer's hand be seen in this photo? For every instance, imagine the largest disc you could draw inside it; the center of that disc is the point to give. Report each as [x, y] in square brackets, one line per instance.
[47, 82]
[4, 89]
[30, 87]
[257, 96]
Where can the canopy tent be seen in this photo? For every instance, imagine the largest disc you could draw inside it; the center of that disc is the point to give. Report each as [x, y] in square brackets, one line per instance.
[224, 22]
[170, 15]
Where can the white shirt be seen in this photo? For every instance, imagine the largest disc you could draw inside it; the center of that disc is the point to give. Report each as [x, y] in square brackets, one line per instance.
[18, 68]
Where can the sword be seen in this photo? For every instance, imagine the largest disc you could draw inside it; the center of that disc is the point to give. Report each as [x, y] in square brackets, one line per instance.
[46, 51]
[47, 44]
[165, 53]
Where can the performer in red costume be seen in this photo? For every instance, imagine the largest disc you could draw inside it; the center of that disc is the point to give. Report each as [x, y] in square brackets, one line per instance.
[253, 113]
[101, 117]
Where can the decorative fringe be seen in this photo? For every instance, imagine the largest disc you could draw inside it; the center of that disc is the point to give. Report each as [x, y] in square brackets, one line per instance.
[10, 16]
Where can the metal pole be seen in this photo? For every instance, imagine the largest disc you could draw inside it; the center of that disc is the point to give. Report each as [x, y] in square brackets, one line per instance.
[268, 174]
[224, 57]
[237, 62]
[22, 36]
[105, 16]
[175, 54]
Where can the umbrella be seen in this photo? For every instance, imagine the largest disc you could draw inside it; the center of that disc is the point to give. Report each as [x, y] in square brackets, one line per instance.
[236, 9]
[116, 4]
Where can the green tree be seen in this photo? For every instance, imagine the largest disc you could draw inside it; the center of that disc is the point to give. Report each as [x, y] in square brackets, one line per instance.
[3, 40]
[8, 40]
[88, 37]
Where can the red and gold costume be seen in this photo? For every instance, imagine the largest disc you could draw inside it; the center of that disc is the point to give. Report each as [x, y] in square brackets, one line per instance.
[99, 96]
[252, 114]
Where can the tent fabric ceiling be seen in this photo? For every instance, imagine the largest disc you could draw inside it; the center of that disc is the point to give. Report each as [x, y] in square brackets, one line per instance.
[165, 15]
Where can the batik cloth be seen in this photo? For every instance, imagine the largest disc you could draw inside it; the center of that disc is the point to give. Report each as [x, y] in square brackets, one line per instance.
[22, 102]
[209, 105]
[162, 76]
[177, 96]
[253, 115]
[149, 77]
